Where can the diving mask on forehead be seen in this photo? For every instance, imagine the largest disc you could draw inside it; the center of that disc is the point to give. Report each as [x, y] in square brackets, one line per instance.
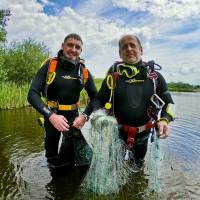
[127, 70]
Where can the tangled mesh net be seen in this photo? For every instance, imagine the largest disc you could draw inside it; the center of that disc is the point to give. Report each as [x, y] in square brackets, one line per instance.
[108, 170]
[154, 166]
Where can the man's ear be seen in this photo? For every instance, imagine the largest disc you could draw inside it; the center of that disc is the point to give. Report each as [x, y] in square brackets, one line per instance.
[120, 53]
[62, 45]
[141, 49]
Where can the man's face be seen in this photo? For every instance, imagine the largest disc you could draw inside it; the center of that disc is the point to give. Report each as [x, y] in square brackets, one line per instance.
[72, 48]
[130, 51]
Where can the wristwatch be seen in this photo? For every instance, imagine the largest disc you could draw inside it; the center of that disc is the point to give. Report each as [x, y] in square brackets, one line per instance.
[85, 116]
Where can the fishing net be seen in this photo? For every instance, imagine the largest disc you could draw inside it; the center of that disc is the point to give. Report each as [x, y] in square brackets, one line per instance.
[154, 166]
[108, 170]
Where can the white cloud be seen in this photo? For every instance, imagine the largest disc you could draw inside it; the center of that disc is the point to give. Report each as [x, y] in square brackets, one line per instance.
[163, 8]
[93, 7]
[100, 36]
[45, 2]
[177, 64]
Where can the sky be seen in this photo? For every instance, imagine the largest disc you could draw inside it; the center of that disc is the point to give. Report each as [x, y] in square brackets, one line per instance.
[169, 30]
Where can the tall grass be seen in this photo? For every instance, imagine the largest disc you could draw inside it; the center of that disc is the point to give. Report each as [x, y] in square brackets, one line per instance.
[13, 96]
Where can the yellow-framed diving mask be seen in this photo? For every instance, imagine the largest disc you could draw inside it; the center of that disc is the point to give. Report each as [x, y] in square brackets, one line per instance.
[127, 70]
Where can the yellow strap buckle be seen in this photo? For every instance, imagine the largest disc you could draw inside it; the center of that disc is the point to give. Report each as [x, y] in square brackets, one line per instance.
[52, 104]
[110, 84]
[56, 105]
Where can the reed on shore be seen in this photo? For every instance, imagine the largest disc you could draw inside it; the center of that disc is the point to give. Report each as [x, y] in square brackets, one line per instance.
[14, 96]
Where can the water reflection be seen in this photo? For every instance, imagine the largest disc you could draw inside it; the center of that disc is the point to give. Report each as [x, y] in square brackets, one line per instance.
[24, 173]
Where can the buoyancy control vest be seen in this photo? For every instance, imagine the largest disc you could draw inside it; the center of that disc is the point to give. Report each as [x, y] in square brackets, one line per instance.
[157, 103]
[150, 70]
[51, 74]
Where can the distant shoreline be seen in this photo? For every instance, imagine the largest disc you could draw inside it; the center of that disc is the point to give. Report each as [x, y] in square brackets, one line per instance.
[184, 90]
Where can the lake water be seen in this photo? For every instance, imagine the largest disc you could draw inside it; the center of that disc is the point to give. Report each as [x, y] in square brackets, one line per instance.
[24, 173]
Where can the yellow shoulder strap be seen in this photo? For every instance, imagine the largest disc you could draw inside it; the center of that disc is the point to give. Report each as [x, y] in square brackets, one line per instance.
[51, 70]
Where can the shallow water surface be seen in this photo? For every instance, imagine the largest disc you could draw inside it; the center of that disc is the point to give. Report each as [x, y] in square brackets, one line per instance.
[24, 173]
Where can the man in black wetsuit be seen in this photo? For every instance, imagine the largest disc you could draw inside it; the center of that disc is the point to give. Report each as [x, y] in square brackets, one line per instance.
[126, 92]
[61, 80]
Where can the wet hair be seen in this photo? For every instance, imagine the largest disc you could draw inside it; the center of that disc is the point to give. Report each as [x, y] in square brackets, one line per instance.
[75, 36]
[134, 36]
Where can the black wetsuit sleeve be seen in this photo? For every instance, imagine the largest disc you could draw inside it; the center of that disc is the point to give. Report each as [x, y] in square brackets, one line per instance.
[37, 89]
[165, 95]
[103, 94]
[92, 93]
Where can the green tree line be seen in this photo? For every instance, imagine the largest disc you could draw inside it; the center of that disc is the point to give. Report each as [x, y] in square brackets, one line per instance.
[183, 87]
[19, 61]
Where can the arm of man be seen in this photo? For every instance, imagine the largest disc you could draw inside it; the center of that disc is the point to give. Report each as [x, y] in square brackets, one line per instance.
[167, 113]
[103, 94]
[34, 97]
[92, 93]
[36, 89]
[97, 101]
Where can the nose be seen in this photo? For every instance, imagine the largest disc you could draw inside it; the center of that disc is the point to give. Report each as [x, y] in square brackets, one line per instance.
[73, 48]
[129, 47]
